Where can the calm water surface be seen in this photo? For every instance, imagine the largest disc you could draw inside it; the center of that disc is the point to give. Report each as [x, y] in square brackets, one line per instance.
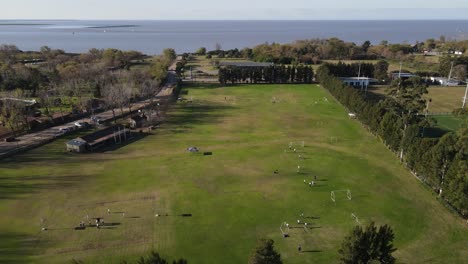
[152, 37]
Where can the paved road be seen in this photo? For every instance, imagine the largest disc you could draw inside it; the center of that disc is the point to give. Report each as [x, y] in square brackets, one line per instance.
[36, 139]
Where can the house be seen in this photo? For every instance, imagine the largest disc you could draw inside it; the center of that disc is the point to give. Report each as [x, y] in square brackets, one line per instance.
[76, 145]
[403, 75]
[358, 81]
[111, 135]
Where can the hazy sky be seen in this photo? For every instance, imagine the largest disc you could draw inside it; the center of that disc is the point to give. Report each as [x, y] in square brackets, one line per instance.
[233, 9]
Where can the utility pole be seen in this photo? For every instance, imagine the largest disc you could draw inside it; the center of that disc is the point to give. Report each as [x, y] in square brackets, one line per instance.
[399, 73]
[450, 75]
[359, 75]
[464, 98]
[427, 107]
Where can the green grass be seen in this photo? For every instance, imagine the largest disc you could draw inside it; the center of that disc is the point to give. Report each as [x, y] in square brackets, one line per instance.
[443, 99]
[449, 122]
[233, 195]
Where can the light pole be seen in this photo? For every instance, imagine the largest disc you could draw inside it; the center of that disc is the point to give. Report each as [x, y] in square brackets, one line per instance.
[464, 98]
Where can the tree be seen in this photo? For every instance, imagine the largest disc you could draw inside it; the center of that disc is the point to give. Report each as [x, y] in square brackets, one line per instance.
[218, 47]
[264, 253]
[381, 70]
[155, 258]
[8, 53]
[169, 55]
[459, 72]
[406, 100]
[11, 113]
[159, 68]
[201, 51]
[365, 46]
[369, 245]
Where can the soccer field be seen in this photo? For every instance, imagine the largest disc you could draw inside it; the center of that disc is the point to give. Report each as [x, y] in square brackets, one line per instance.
[233, 196]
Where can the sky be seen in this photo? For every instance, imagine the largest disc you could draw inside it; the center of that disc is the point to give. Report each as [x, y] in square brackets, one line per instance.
[233, 9]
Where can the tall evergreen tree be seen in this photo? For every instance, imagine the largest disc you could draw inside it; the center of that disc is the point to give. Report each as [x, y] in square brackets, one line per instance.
[264, 253]
[369, 245]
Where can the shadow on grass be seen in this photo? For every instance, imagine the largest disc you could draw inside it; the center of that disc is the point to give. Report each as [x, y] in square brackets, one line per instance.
[184, 116]
[201, 86]
[15, 186]
[311, 251]
[113, 147]
[435, 132]
[16, 248]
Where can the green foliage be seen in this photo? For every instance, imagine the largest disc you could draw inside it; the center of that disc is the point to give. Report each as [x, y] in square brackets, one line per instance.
[341, 69]
[201, 51]
[272, 74]
[369, 245]
[381, 70]
[264, 253]
[155, 258]
[440, 162]
[169, 55]
[445, 64]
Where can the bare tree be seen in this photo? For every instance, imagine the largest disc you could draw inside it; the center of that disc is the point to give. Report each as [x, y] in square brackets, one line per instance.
[45, 100]
[459, 72]
[12, 112]
[149, 89]
[111, 97]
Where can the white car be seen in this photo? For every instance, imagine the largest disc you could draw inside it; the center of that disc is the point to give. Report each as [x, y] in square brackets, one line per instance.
[81, 124]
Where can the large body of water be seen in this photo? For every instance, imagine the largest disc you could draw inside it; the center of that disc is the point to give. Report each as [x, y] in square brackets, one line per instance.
[151, 37]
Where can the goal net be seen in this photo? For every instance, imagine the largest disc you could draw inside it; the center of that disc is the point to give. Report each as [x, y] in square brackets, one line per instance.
[339, 194]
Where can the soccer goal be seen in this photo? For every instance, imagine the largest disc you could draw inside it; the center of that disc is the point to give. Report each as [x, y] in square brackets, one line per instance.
[356, 218]
[333, 194]
[284, 229]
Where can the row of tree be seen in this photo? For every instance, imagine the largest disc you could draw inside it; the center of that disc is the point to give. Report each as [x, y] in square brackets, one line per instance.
[399, 121]
[271, 74]
[378, 70]
[315, 51]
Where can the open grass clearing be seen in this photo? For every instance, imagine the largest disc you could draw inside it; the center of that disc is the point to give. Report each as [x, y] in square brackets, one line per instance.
[233, 195]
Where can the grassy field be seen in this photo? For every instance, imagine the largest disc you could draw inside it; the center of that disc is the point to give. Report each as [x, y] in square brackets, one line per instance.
[449, 122]
[234, 196]
[443, 99]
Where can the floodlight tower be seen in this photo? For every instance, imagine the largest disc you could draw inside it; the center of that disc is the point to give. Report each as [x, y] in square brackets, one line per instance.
[450, 75]
[464, 98]
[399, 73]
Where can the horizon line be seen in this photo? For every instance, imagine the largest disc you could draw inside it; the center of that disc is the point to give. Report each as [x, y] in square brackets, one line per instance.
[142, 19]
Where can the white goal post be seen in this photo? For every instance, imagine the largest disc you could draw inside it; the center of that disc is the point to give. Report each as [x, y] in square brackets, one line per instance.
[333, 194]
[355, 218]
[284, 229]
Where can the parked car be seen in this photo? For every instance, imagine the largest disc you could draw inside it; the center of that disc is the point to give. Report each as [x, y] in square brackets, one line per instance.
[97, 120]
[10, 139]
[82, 124]
[64, 129]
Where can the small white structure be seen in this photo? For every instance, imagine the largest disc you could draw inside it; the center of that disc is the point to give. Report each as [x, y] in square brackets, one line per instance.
[445, 81]
[352, 115]
[402, 75]
[358, 81]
